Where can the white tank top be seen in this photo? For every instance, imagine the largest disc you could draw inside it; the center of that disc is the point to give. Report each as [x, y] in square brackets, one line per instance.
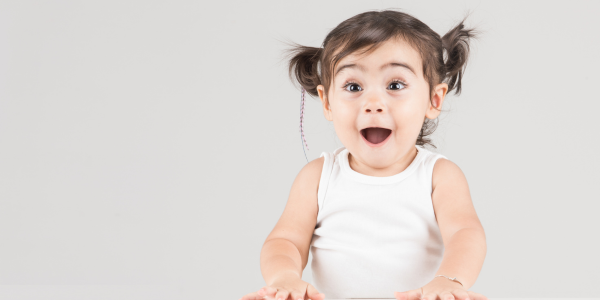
[375, 235]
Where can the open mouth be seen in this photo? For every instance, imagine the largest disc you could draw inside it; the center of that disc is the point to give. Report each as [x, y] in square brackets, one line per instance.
[375, 135]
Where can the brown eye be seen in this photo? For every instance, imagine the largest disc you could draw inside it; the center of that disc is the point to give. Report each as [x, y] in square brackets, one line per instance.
[397, 84]
[353, 87]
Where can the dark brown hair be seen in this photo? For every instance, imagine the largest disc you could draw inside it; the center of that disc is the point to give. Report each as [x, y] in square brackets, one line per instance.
[314, 66]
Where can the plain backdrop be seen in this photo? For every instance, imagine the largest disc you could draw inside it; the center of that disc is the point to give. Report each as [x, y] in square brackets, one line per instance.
[153, 144]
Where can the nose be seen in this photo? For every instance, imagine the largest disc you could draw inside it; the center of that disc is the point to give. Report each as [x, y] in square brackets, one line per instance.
[374, 104]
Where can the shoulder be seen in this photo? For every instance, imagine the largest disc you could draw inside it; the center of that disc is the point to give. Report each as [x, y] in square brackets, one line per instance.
[310, 175]
[444, 170]
[451, 199]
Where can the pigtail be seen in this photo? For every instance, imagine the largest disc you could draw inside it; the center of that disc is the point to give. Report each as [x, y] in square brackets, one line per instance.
[304, 64]
[456, 44]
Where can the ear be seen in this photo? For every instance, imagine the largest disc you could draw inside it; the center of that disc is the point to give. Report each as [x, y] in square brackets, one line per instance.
[435, 104]
[325, 102]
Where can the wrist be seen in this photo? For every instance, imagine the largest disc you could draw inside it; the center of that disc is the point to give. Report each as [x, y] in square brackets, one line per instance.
[284, 275]
[444, 280]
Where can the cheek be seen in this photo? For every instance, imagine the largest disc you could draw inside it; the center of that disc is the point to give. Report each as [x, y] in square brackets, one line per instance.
[344, 122]
[345, 112]
[407, 109]
[409, 118]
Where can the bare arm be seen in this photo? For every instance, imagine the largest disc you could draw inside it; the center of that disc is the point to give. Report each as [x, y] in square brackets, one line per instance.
[462, 233]
[464, 256]
[279, 256]
[285, 250]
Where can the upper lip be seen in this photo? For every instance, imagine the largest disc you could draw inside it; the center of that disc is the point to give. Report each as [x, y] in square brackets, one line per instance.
[364, 133]
[375, 127]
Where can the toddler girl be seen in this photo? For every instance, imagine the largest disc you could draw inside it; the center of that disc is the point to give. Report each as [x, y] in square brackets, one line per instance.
[383, 216]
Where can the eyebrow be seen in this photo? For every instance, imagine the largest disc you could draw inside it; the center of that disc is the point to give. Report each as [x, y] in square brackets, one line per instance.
[388, 65]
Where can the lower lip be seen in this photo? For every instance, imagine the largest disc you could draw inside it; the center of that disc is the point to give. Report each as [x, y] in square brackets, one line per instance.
[376, 145]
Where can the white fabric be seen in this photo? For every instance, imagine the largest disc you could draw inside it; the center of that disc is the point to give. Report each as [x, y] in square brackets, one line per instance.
[375, 235]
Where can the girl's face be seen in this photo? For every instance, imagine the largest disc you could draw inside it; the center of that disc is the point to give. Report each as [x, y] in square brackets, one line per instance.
[384, 89]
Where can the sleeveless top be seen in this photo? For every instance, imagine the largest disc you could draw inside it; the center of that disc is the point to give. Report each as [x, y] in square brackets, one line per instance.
[375, 235]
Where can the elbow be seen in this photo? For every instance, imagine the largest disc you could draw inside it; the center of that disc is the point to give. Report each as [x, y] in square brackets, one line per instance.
[474, 235]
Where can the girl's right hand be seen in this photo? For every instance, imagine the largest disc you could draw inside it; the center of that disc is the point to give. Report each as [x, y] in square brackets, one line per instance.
[286, 288]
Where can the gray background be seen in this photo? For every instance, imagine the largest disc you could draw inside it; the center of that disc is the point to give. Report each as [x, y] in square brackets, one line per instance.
[153, 145]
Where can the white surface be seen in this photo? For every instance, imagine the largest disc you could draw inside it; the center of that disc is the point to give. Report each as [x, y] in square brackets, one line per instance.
[145, 292]
[129, 292]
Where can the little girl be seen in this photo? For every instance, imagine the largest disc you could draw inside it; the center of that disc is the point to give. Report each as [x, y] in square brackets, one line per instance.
[383, 216]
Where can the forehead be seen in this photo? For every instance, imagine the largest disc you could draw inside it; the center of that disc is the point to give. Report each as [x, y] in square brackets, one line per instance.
[391, 51]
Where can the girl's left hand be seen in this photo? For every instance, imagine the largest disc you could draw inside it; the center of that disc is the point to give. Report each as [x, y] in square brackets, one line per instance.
[440, 288]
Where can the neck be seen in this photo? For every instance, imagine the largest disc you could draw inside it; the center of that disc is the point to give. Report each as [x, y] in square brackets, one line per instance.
[390, 170]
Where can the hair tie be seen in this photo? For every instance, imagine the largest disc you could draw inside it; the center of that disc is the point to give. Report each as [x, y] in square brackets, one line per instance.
[302, 123]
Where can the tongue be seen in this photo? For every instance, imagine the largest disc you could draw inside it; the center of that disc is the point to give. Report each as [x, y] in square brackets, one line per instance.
[376, 135]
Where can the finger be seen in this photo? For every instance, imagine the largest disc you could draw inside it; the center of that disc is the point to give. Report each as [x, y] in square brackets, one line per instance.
[446, 296]
[251, 296]
[415, 294]
[313, 294]
[269, 291]
[476, 296]
[282, 295]
[401, 296]
[429, 296]
[297, 295]
[319, 296]
[460, 295]
[409, 295]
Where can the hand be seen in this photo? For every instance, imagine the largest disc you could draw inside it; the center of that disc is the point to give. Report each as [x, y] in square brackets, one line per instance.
[440, 288]
[287, 287]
